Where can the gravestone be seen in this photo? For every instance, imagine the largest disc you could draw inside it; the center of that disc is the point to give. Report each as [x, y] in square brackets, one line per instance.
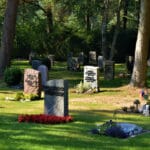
[100, 62]
[44, 73]
[81, 58]
[36, 64]
[75, 66]
[109, 69]
[146, 111]
[69, 60]
[92, 58]
[129, 64]
[32, 82]
[31, 56]
[51, 58]
[91, 75]
[56, 97]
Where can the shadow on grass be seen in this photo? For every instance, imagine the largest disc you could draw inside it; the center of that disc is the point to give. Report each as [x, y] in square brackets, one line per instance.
[70, 136]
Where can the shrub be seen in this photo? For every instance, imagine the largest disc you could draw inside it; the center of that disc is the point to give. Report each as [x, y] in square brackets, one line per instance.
[12, 76]
[83, 87]
[19, 96]
[31, 96]
[125, 109]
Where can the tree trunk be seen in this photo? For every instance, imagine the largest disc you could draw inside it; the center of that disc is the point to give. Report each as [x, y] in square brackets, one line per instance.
[112, 51]
[8, 34]
[104, 29]
[138, 78]
[125, 13]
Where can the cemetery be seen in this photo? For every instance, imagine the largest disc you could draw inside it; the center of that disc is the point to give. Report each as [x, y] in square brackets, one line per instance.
[63, 117]
[74, 75]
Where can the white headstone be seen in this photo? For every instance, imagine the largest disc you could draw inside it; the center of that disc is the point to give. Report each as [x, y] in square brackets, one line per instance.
[91, 75]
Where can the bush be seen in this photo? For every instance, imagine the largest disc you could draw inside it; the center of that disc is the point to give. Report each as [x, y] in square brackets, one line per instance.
[19, 96]
[12, 76]
[83, 87]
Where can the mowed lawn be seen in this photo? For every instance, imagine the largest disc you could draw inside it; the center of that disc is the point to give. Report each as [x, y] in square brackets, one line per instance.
[88, 110]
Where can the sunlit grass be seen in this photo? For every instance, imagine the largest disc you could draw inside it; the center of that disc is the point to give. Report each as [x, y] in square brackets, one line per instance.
[88, 110]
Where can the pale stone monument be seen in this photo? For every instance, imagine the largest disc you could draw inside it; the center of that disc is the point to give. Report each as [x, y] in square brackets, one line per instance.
[91, 76]
[56, 97]
[32, 82]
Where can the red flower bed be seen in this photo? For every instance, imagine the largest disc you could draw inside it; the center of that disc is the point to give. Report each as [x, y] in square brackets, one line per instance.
[45, 119]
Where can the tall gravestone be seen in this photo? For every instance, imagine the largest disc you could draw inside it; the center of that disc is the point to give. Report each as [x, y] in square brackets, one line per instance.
[51, 58]
[44, 73]
[69, 60]
[129, 63]
[100, 62]
[109, 70]
[91, 76]
[56, 97]
[92, 58]
[32, 82]
[81, 58]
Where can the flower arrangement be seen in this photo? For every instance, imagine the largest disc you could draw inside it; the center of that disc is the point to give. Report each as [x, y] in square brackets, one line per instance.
[45, 119]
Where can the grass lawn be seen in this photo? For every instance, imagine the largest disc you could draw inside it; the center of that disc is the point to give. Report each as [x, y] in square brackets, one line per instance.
[88, 110]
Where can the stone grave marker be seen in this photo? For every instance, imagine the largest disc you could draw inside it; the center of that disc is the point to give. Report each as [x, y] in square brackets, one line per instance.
[44, 73]
[69, 60]
[109, 69]
[36, 64]
[56, 97]
[81, 58]
[100, 62]
[32, 82]
[129, 64]
[91, 75]
[75, 65]
[92, 58]
[31, 56]
[51, 58]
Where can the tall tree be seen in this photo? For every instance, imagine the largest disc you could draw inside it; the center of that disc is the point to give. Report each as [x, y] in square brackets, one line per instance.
[104, 28]
[125, 13]
[8, 34]
[117, 27]
[138, 78]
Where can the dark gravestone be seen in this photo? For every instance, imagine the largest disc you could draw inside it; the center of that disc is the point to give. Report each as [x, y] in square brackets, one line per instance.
[51, 58]
[91, 75]
[109, 69]
[92, 58]
[36, 64]
[81, 59]
[32, 82]
[69, 60]
[100, 62]
[56, 98]
[44, 73]
[129, 64]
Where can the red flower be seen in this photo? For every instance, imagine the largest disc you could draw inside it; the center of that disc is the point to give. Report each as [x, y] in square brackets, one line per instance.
[45, 119]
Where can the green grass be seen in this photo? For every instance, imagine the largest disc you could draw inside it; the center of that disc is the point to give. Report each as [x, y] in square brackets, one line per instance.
[86, 109]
